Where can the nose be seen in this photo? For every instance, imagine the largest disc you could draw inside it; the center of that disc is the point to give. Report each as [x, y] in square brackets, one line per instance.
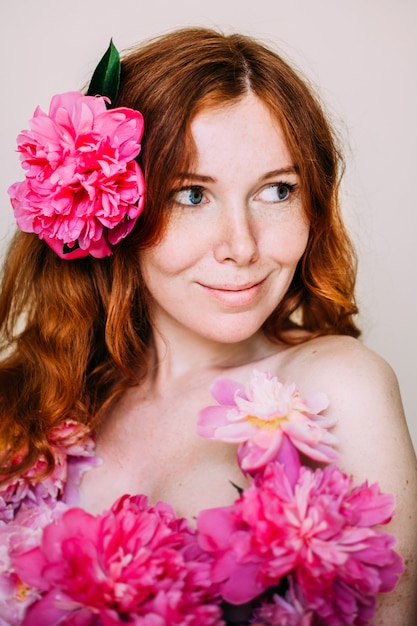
[236, 239]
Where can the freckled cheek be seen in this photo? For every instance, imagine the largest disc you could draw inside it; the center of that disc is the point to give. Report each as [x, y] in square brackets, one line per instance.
[168, 258]
[302, 243]
[289, 246]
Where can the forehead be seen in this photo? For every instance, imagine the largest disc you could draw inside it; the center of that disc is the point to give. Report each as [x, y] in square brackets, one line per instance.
[244, 130]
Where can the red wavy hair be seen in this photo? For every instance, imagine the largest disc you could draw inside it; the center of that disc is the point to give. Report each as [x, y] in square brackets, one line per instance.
[76, 334]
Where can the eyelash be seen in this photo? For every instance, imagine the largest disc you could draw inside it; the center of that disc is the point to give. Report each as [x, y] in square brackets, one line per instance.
[197, 189]
[192, 189]
[289, 187]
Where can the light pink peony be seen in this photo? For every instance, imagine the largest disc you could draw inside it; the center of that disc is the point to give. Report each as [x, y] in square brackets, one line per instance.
[24, 534]
[289, 610]
[133, 564]
[321, 531]
[259, 419]
[73, 451]
[83, 189]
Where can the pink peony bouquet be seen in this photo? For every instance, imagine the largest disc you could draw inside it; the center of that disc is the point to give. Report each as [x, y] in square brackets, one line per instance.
[319, 535]
[83, 190]
[298, 547]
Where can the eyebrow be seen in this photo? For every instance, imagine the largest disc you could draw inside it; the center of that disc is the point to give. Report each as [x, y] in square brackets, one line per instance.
[291, 169]
[197, 177]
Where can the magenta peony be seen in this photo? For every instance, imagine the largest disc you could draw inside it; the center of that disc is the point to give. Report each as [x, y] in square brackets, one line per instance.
[83, 189]
[321, 532]
[133, 564]
[259, 419]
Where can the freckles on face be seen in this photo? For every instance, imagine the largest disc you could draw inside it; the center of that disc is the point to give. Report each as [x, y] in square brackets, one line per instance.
[236, 229]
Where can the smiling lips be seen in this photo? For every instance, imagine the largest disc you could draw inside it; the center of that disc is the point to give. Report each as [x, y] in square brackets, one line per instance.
[234, 295]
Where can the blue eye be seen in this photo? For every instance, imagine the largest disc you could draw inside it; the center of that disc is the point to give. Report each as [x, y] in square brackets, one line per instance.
[283, 191]
[191, 196]
[278, 192]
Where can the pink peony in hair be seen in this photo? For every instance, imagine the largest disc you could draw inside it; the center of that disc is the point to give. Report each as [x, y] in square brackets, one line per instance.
[83, 190]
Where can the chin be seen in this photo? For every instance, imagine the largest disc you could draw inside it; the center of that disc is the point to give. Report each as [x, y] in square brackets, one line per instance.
[236, 334]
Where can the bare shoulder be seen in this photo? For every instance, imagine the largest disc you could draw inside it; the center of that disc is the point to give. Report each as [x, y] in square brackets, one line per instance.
[343, 367]
[363, 392]
[333, 355]
[374, 442]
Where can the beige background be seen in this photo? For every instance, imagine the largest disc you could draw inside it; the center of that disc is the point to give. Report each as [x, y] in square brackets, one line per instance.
[360, 54]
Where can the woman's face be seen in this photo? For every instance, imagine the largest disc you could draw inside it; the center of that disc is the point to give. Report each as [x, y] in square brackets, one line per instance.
[236, 229]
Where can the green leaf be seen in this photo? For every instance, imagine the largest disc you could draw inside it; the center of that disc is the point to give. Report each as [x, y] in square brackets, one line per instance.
[106, 77]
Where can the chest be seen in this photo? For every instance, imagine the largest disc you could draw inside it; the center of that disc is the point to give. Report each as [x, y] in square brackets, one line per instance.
[149, 445]
[153, 449]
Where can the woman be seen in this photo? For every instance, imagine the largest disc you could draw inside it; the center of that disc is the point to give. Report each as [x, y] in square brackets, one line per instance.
[239, 260]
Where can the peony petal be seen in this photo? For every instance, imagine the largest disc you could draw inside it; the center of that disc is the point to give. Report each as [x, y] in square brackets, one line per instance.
[289, 459]
[53, 609]
[316, 401]
[370, 506]
[242, 586]
[210, 419]
[29, 567]
[234, 432]
[251, 458]
[215, 527]
[224, 389]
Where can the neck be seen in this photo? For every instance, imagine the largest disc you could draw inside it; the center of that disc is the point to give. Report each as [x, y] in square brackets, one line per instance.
[180, 353]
